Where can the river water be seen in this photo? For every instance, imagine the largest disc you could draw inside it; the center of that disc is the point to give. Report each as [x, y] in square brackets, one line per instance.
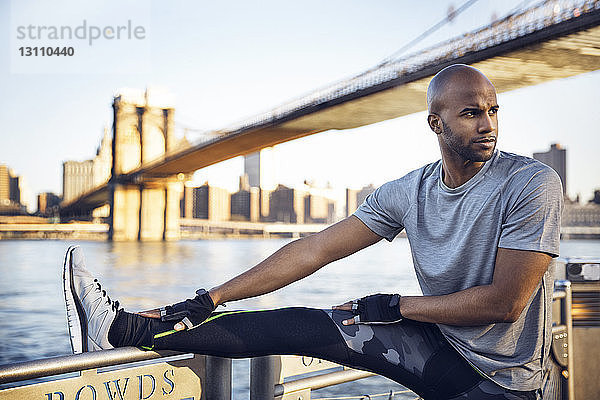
[147, 275]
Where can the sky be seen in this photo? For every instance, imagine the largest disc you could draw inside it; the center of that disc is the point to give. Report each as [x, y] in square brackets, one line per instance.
[224, 61]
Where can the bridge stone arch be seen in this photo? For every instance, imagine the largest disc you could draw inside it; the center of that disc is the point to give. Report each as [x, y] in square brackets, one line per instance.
[145, 209]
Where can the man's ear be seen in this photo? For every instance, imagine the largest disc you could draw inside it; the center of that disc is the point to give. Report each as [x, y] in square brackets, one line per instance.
[435, 123]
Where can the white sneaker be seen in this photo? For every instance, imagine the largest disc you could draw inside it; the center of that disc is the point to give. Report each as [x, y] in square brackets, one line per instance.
[90, 312]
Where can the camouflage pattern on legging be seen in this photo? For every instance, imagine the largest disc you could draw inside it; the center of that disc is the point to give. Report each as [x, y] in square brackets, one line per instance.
[418, 356]
[412, 353]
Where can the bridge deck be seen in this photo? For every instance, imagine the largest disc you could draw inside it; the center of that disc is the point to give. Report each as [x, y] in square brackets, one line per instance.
[535, 46]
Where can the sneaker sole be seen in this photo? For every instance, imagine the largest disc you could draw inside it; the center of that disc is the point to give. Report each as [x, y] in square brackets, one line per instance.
[76, 317]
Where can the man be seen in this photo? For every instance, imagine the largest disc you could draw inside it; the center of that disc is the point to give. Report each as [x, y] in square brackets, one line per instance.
[483, 226]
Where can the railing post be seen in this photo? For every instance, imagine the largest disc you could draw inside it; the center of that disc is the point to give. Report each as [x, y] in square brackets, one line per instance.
[264, 374]
[218, 379]
[567, 320]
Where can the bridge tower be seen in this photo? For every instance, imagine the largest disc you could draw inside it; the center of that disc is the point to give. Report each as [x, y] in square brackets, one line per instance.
[145, 208]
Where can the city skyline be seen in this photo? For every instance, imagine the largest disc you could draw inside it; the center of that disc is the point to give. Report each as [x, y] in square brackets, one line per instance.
[210, 90]
[81, 176]
[98, 174]
[281, 204]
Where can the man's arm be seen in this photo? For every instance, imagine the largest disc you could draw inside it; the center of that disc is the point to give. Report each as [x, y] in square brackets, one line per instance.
[297, 260]
[516, 275]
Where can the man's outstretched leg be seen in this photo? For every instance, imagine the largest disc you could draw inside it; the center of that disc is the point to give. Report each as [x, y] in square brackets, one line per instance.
[411, 353]
[96, 322]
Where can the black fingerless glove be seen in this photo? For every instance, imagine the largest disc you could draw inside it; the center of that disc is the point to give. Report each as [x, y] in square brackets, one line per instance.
[192, 312]
[377, 309]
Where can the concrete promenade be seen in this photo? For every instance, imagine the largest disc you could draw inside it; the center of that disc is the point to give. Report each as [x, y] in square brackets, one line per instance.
[204, 229]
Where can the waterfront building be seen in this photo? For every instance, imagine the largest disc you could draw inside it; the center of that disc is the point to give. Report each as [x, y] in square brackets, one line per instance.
[47, 204]
[260, 168]
[245, 182]
[318, 209]
[10, 185]
[255, 198]
[13, 194]
[211, 203]
[575, 214]
[245, 203]
[596, 199]
[363, 193]
[286, 205]
[556, 158]
[186, 204]
[25, 195]
[78, 178]
[4, 184]
[264, 203]
[319, 206]
[11, 209]
[355, 198]
[14, 188]
[240, 205]
[252, 168]
[81, 176]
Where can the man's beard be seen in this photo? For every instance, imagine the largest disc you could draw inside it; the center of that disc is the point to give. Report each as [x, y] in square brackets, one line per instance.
[465, 151]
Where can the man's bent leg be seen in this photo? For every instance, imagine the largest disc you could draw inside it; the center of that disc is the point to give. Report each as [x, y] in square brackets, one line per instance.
[413, 353]
[417, 355]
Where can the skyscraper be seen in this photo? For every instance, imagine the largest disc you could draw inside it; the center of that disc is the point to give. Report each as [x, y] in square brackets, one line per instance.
[78, 177]
[15, 185]
[48, 203]
[4, 184]
[556, 158]
[245, 203]
[81, 176]
[252, 168]
[186, 204]
[12, 194]
[318, 209]
[260, 169]
[240, 205]
[211, 203]
[287, 205]
[354, 198]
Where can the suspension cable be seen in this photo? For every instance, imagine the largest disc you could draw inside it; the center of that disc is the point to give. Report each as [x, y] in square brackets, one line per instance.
[428, 32]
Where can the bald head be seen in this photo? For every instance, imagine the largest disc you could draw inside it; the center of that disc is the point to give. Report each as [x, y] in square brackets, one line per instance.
[452, 79]
[463, 113]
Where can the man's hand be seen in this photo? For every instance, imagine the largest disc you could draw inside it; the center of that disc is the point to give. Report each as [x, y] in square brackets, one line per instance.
[373, 309]
[190, 313]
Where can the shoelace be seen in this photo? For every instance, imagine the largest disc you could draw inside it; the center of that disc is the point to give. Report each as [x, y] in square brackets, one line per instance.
[113, 304]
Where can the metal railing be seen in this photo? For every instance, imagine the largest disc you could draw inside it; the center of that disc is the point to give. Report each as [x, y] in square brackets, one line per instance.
[26, 370]
[269, 376]
[559, 380]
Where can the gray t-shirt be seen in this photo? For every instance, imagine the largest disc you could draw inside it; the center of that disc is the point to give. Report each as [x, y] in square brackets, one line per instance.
[513, 202]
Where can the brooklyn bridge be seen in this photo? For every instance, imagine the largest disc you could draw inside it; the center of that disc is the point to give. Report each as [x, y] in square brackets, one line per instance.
[552, 40]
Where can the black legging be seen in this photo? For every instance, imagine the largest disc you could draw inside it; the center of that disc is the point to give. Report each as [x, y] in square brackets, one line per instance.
[411, 353]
